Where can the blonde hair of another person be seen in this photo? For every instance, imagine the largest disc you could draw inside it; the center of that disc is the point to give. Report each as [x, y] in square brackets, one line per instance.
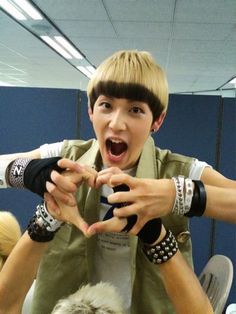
[10, 233]
[101, 298]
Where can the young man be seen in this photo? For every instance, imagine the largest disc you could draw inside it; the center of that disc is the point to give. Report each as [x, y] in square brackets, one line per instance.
[128, 97]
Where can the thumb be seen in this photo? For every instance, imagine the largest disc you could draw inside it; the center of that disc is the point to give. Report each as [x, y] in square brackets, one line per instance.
[81, 224]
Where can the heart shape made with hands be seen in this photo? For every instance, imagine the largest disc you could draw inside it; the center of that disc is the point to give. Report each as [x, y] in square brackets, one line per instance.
[110, 223]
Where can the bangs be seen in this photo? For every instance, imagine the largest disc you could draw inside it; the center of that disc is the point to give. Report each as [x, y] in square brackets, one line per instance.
[131, 91]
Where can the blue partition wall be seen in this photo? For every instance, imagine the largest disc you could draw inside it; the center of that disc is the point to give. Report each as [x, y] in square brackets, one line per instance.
[205, 127]
[30, 117]
[225, 234]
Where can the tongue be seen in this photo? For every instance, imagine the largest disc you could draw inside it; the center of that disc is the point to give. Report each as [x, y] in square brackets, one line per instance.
[118, 148]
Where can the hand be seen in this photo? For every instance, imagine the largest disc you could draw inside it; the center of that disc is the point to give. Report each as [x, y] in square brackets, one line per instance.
[66, 183]
[114, 224]
[69, 214]
[147, 198]
[103, 176]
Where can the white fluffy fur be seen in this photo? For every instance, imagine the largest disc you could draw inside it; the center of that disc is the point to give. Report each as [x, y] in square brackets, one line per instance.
[101, 298]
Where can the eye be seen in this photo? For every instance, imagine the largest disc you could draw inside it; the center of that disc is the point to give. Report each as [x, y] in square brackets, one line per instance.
[105, 105]
[136, 109]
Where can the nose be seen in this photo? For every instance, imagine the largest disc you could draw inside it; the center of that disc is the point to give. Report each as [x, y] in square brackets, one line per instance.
[117, 121]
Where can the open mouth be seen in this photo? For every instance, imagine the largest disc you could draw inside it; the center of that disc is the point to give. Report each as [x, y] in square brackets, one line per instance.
[116, 147]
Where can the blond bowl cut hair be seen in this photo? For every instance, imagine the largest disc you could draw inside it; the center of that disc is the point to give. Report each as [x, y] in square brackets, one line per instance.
[101, 298]
[131, 68]
[10, 233]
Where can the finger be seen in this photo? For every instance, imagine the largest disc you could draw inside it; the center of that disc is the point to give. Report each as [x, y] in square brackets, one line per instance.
[122, 178]
[102, 179]
[52, 205]
[125, 211]
[65, 198]
[120, 197]
[68, 164]
[111, 225]
[80, 223]
[138, 226]
[111, 170]
[64, 182]
[90, 175]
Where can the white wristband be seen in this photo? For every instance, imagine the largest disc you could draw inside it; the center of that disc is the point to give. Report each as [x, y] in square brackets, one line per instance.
[3, 167]
[44, 218]
[188, 194]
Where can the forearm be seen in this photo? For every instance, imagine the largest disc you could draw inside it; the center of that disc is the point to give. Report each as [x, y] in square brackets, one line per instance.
[221, 203]
[183, 287]
[221, 196]
[18, 274]
[180, 282]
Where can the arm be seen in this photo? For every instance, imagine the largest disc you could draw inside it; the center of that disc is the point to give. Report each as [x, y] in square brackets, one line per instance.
[44, 151]
[18, 274]
[20, 268]
[221, 196]
[183, 287]
[30, 154]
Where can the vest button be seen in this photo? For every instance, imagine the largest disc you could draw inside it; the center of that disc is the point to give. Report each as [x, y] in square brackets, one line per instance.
[182, 237]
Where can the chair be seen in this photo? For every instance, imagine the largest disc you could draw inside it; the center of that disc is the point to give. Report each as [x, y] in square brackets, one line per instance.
[216, 280]
[231, 309]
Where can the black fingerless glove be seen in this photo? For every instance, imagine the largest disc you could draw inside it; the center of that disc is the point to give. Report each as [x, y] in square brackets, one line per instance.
[32, 174]
[38, 172]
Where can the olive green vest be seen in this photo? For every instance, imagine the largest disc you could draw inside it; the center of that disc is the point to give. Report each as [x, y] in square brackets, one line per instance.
[69, 261]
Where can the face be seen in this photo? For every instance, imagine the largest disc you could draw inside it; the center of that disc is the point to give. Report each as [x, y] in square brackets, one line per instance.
[122, 127]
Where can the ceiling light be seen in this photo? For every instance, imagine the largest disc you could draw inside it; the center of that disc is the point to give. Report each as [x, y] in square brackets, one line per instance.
[5, 84]
[68, 47]
[29, 9]
[48, 32]
[55, 46]
[233, 81]
[91, 69]
[85, 71]
[11, 9]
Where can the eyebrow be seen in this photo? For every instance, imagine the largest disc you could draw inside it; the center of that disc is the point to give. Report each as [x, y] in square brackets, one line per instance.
[132, 91]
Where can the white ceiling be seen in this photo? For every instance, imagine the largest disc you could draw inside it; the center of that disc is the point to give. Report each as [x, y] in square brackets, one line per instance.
[193, 40]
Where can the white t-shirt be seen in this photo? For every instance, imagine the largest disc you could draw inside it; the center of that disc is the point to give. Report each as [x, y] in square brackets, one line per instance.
[113, 256]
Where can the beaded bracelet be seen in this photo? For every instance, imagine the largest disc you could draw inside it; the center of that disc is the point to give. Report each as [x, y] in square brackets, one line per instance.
[42, 227]
[161, 252]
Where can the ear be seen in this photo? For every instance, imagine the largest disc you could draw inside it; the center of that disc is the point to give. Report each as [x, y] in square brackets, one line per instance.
[158, 122]
[90, 113]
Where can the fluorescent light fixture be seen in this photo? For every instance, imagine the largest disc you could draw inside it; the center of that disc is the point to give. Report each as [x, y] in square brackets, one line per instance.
[233, 81]
[11, 9]
[91, 68]
[29, 9]
[68, 47]
[57, 47]
[85, 71]
[5, 84]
